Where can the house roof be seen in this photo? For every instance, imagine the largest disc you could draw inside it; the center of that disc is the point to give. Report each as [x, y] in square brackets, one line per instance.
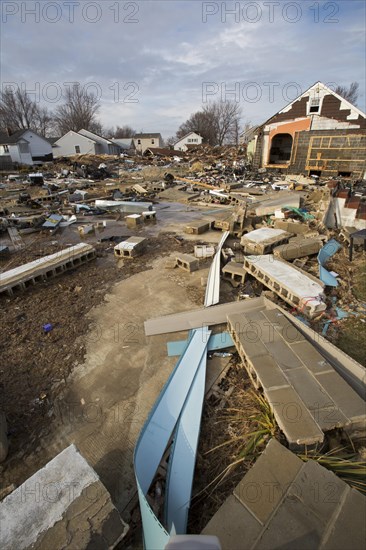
[147, 136]
[186, 135]
[346, 103]
[161, 151]
[95, 137]
[77, 134]
[12, 139]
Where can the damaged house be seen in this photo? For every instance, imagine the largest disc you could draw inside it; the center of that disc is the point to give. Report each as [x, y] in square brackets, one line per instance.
[147, 141]
[23, 147]
[319, 133]
[84, 143]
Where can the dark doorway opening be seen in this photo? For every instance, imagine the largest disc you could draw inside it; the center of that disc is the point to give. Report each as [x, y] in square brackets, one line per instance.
[281, 147]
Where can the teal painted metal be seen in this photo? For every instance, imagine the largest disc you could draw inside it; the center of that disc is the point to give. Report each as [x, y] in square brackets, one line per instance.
[183, 455]
[217, 341]
[163, 420]
[328, 250]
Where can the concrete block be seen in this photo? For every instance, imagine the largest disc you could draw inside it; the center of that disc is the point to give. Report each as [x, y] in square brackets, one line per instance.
[284, 355]
[268, 372]
[198, 227]
[313, 360]
[130, 248]
[345, 398]
[348, 529]
[320, 490]
[266, 483]
[234, 271]
[62, 505]
[294, 418]
[133, 220]
[263, 240]
[234, 526]
[297, 249]
[187, 262]
[293, 527]
[281, 323]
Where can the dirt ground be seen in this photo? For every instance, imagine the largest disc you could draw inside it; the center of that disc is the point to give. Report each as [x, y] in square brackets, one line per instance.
[36, 366]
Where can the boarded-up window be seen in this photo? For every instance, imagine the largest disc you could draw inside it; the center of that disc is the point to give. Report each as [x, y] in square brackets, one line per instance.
[23, 148]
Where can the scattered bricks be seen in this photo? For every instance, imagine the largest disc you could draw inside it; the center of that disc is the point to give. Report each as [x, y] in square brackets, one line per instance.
[234, 272]
[187, 262]
[298, 249]
[263, 240]
[132, 247]
[133, 220]
[198, 227]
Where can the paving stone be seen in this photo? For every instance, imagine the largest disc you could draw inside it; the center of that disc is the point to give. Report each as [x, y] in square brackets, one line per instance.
[294, 418]
[281, 323]
[349, 527]
[268, 372]
[319, 489]
[349, 402]
[266, 483]
[311, 358]
[293, 527]
[234, 525]
[309, 389]
[284, 356]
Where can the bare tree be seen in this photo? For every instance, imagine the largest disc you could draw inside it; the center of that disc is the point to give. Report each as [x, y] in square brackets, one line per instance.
[78, 112]
[19, 112]
[218, 123]
[124, 132]
[350, 93]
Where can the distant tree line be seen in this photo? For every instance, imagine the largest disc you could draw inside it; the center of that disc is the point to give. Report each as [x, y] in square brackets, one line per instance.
[218, 122]
[80, 108]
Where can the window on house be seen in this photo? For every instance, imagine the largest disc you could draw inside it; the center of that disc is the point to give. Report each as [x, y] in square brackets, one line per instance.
[77, 149]
[314, 105]
[6, 148]
[139, 142]
[152, 142]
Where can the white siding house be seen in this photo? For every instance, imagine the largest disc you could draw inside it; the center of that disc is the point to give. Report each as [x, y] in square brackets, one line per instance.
[189, 139]
[84, 143]
[106, 146]
[73, 143]
[24, 147]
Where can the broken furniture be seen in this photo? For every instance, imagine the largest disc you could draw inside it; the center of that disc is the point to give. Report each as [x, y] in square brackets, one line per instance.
[130, 248]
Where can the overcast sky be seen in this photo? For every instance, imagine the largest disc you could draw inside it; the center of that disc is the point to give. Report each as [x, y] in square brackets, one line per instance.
[153, 63]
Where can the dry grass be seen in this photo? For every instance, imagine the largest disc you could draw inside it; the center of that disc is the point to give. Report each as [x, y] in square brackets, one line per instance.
[233, 433]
